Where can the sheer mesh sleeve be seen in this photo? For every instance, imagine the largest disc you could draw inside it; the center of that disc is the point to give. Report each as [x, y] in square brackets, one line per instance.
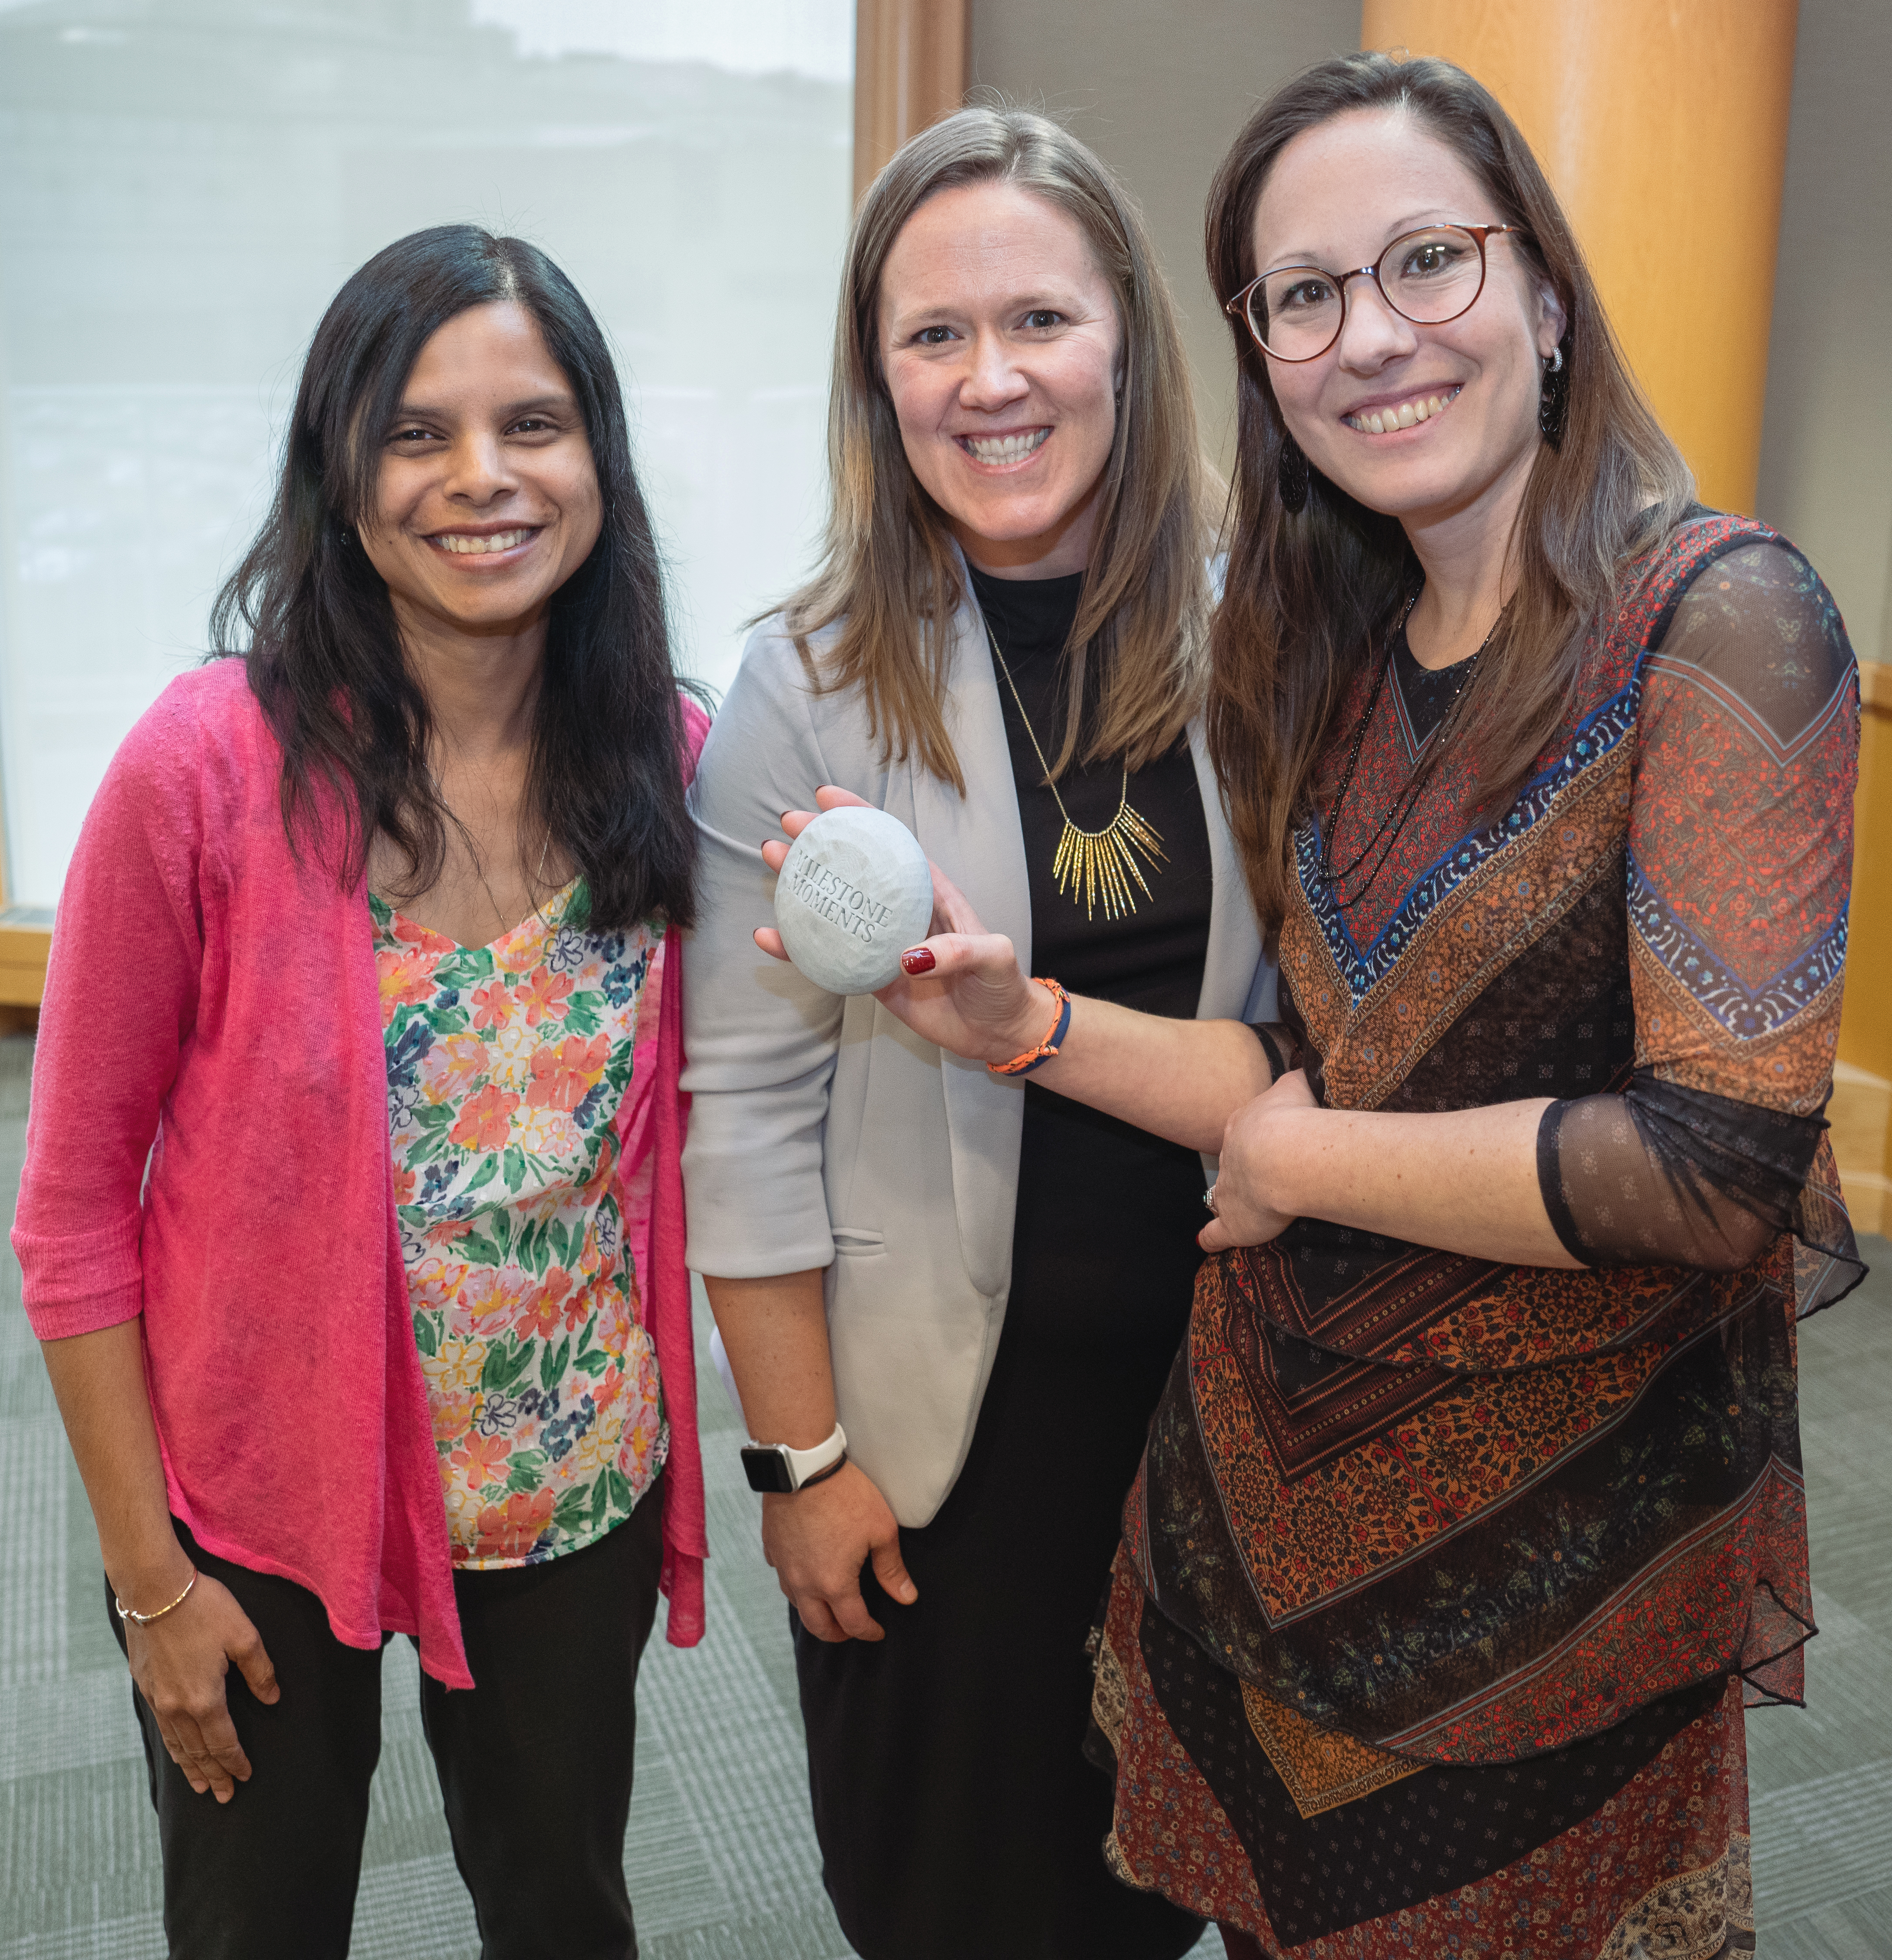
[1740, 858]
[1279, 1044]
[1665, 1175]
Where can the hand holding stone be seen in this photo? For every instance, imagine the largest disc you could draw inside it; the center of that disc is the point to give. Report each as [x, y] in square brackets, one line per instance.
[853, 893]
[962, 989]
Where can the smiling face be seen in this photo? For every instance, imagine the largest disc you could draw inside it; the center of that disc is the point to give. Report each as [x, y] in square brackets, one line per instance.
[1003, 354]
[487, 498]
[1421, 423]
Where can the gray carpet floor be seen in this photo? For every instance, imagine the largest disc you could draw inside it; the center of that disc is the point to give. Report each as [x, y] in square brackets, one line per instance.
[721, 1857]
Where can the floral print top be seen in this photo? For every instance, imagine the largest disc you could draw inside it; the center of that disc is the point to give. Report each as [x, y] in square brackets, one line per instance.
[507, 1064]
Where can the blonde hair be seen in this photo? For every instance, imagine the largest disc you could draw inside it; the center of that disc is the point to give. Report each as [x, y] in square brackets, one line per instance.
[888, 574]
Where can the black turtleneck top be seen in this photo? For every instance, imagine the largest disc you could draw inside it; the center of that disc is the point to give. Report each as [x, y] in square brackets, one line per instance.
[1104, 1255]
[971, 1715]
[1151, 958]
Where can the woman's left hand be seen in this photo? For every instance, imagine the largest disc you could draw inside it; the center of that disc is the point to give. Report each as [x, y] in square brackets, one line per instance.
[1254, 1146]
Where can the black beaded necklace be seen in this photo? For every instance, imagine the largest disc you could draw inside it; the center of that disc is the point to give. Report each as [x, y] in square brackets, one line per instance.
[1407, 800]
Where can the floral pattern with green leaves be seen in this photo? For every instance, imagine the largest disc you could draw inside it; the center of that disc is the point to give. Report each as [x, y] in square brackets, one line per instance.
[506, 1065]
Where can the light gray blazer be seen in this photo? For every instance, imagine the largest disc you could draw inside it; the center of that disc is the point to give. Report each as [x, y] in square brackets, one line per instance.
[823, 1132]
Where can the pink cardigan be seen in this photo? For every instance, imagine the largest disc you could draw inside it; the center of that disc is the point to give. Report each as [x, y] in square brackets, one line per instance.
[212, 1011]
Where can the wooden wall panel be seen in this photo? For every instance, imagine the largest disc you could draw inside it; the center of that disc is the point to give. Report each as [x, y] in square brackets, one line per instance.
[909, 70]
[26, 938]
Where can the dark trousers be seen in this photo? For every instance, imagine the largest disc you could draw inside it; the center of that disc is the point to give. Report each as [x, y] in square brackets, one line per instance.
[534, 1763]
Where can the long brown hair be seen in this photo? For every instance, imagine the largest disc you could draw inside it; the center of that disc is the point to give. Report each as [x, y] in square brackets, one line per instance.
[1309, 597]
[888, 574]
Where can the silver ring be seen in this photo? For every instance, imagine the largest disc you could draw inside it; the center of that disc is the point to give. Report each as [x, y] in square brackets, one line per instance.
[1208, 1200]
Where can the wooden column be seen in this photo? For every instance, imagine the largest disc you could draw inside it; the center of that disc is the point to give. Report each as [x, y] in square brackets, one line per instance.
[1663, 128]
[909, 70]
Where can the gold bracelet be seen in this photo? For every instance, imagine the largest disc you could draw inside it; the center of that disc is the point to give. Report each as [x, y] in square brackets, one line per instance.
[145, 1619]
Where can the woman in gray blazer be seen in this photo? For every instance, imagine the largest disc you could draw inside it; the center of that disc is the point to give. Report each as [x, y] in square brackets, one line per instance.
[972, 1288]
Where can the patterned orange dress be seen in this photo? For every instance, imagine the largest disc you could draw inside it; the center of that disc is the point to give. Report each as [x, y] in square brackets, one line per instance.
[1443, 1583]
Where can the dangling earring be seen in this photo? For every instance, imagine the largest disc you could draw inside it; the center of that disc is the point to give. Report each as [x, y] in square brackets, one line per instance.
[1290, 477]
[1553, 401]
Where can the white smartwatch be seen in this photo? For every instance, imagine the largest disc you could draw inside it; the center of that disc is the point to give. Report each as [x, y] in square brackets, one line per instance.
[775, 1468]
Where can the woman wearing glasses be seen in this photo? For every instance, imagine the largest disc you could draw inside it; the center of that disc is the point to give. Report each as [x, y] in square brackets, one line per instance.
[1471, 1514]
[974, 1288]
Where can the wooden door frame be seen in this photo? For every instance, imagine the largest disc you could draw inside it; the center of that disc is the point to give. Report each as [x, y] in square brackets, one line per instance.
[910, 63]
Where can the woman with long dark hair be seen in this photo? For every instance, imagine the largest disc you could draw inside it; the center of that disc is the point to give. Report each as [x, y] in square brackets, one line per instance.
[1471, 1514]
[350, 1223]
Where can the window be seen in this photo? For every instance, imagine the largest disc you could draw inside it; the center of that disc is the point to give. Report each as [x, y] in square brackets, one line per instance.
[187, 182]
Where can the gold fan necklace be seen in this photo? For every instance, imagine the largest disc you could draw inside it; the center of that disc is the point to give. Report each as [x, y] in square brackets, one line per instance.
[1100, 864]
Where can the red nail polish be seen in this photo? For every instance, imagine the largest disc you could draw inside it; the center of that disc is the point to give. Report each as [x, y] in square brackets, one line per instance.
[920, 960]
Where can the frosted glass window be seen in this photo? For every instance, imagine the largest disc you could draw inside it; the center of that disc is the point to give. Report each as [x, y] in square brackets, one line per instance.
[184, 184]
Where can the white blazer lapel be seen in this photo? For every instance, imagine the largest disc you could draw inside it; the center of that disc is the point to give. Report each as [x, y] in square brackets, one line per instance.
[976, 841]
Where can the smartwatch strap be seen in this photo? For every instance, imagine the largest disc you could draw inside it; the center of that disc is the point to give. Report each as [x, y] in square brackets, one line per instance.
[775, 1468]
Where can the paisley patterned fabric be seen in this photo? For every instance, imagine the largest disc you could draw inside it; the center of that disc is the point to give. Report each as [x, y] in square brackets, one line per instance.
[1462, 1516]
